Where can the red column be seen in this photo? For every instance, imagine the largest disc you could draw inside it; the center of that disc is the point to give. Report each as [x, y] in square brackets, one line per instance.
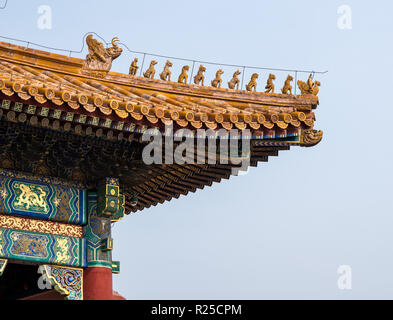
[97, 283]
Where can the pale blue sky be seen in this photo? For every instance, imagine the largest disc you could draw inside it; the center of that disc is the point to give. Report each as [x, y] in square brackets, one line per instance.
[282, 230]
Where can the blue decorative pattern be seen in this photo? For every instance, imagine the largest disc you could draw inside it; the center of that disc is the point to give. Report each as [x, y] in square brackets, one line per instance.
[41, 247]
[95, 232]
[40, 200]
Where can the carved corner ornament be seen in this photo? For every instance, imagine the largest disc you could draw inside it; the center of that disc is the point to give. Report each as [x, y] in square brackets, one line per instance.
[310, 137]
[99, 59]
[67, 281]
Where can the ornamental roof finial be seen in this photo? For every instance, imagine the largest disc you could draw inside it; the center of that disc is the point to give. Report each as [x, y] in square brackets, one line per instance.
[99, 59]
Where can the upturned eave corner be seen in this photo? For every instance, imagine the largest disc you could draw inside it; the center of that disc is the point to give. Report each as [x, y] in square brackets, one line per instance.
[310, 137]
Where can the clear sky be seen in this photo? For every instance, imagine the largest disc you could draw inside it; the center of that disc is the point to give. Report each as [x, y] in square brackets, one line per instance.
[282, 230]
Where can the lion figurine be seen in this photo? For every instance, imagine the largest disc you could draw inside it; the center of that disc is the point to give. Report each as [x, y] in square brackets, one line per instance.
[287, 85]
[270, 85]
[234, 81]
[199, 76]
[133, 67]
[216, 83]
[149, 73]
[166, 73]
[253, 83]
[183, 77]
[310, 87]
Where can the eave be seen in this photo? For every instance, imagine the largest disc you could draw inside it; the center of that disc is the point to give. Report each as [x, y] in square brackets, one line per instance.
[49, 95]
[46, 77]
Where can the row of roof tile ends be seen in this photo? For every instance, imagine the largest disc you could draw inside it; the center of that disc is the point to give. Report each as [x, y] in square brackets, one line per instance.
[155, 113]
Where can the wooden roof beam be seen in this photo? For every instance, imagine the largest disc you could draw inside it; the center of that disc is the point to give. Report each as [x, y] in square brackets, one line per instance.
[207, 177]
[174, 189]
[199, 181]
[151, 199]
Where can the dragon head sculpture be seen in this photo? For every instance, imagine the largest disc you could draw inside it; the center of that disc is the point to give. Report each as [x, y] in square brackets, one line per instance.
[99, 59]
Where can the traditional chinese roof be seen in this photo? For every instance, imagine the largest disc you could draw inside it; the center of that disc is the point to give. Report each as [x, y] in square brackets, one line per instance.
[94, 122]
[47, 77]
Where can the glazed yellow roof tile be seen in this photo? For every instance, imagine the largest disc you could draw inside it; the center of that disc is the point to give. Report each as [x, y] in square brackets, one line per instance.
[45, 76]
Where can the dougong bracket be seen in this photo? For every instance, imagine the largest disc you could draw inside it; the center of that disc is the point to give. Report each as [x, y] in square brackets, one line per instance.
[110, 203]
